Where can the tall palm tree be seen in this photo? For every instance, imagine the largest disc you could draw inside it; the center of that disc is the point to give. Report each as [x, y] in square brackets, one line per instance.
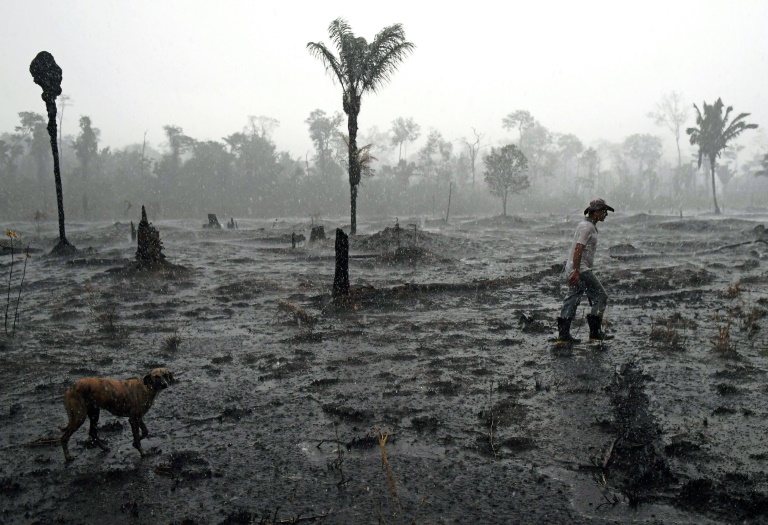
[360, 67]
[714, 133]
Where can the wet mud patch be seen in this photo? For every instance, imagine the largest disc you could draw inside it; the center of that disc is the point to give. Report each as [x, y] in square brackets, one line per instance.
[444, 388]
[736, 498]
[670, 278]
[284, 368]
[425, 423]
[244, 290]
[185, 466]
[106, 477]
[164, 270]
[347, 414]
[505, 412]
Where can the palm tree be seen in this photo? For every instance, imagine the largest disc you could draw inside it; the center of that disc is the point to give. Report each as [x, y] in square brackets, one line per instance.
[714, 133]
[360, 67]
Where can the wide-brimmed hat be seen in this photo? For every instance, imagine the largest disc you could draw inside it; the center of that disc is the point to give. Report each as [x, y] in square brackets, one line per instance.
[596, 205]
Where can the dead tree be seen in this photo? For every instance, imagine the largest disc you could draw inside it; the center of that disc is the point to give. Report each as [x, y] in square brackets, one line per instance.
[341, 277]
[47, 74]
[150, 249]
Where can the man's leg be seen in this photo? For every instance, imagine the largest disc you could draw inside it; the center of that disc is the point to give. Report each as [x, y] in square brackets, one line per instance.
[599, 300]
[568, 312]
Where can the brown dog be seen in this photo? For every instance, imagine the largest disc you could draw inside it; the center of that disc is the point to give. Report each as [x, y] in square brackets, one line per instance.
[129, 398]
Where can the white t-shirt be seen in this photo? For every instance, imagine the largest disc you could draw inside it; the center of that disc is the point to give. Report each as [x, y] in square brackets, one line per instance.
[586, 234]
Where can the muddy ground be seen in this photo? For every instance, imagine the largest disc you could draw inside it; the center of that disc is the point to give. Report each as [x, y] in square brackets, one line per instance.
[284, 399]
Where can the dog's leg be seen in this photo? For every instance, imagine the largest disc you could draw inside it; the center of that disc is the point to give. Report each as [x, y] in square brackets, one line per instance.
[76, 412]
[144, 431]
[93, 431]
[137, 423]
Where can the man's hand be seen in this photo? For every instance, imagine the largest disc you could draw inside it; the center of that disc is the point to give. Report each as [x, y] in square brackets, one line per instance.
[573, 279]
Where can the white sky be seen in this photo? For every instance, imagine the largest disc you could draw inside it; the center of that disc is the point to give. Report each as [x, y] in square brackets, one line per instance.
[589, 68]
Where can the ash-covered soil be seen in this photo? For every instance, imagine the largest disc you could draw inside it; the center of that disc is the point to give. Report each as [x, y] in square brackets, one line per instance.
[284, 399]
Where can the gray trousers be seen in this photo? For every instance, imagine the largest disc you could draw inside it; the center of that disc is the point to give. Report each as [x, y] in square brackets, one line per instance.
[588, 284]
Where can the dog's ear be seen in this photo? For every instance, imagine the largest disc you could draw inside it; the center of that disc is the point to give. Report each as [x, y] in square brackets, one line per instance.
[148, 380]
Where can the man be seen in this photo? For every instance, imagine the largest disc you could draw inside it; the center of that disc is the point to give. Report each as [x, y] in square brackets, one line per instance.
[581, 279]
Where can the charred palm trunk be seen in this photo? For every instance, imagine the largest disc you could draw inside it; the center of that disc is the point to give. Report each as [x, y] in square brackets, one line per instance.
[714, 193]
[353, 109]
[51, 107]
[47, 74]
[341, 275]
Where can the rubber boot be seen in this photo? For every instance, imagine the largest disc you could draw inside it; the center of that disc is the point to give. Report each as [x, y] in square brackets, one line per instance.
[596, 333]
[564, 332]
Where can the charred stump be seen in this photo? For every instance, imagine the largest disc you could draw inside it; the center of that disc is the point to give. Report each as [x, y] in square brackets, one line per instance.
[213, 222]
[150, 249]
[341, 277]
[317, 233]
[47, 74]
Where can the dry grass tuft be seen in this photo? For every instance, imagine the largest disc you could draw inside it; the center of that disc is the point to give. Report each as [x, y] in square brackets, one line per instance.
[665, 335]
[722, 343]
[106, 317]
[396, 510]
[172, 341]
[394, 498]
[734, 291]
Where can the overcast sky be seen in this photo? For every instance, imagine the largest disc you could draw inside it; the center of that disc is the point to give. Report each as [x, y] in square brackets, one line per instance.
[589, 68]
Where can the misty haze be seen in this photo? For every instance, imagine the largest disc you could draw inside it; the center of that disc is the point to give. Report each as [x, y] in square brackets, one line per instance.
[337, 235]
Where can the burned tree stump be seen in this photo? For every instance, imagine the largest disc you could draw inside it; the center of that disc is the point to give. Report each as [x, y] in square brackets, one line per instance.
[150, 249]
[341, 277]
[213, 222]
[317, 233]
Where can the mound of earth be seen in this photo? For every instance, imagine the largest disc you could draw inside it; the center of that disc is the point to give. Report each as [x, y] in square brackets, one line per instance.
[499, 221]
[623, 249]
[411, 255]
[390, 239]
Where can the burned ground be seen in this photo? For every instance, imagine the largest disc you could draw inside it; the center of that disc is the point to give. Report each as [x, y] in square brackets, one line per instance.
[284, 398]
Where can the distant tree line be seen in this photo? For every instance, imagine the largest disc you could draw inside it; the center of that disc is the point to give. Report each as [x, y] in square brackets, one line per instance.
[246, 174]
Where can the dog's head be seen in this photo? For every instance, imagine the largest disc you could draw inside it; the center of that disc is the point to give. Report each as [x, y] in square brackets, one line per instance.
[159, 379]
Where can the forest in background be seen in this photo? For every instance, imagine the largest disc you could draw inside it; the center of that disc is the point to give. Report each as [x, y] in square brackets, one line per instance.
[409, 172]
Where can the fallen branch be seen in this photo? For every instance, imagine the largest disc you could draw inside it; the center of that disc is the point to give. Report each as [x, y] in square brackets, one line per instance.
[43, 442]
[298, 313]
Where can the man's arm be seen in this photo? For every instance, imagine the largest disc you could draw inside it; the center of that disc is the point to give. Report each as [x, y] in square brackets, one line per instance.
[573, 279]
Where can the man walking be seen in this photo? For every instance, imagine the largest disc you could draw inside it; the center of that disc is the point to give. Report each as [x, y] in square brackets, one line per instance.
[581, 278]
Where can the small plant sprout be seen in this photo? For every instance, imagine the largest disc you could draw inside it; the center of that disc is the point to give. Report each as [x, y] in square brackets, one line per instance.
[665, 336]
[172, 342]
[104, 312]
[722, 341]
[394, 498]
[734, 290]
[13, 236]
[21, 285]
